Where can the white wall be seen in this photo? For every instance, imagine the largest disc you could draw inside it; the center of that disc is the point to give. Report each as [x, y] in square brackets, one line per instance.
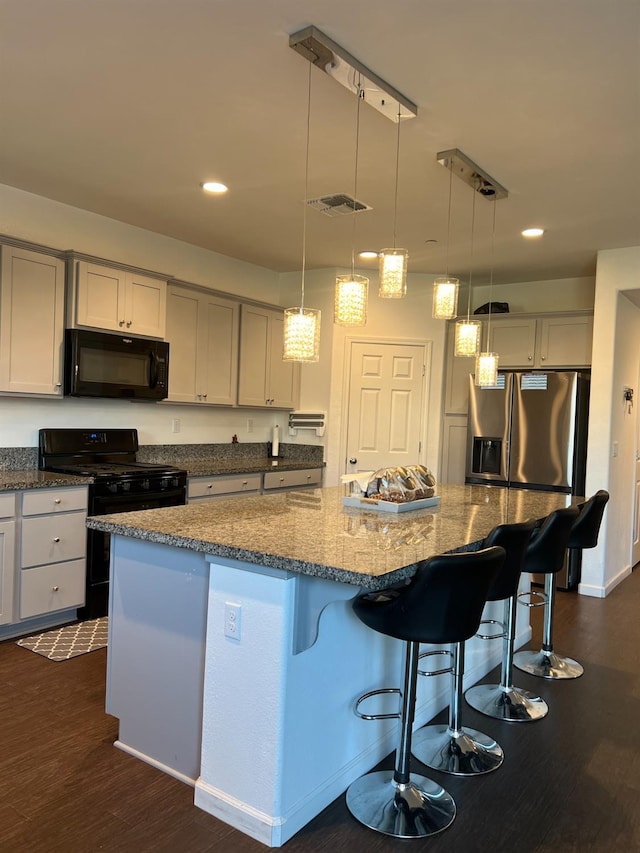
[58, 226]
[396, 319]
[564, 294]
[616, 356]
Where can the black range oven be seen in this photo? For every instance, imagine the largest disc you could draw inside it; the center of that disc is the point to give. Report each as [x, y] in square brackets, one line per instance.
[120, 484]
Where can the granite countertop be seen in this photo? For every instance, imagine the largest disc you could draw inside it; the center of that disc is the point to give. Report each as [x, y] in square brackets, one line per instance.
[309, 531]
[31, 478]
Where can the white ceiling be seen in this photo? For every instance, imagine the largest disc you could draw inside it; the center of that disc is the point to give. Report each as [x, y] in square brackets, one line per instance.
[123, 107]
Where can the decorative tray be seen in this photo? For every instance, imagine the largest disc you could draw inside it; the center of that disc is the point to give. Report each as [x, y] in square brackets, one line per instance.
[389, 506]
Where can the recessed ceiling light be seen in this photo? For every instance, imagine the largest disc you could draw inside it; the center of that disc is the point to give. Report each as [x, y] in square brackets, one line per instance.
[368, 255]
[214, 187]
[532, 232]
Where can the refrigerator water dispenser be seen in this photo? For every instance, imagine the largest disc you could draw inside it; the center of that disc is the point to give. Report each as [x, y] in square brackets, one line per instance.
[487, 453]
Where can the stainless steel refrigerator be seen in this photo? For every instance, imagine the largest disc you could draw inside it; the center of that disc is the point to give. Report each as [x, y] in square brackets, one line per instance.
[530, 432]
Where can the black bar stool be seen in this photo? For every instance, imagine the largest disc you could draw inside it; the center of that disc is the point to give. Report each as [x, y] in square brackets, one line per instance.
[442, 603]
[504, 701]
[584, 533]
[545, 555]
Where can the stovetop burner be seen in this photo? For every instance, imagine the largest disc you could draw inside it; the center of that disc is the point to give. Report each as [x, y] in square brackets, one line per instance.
[107, 455]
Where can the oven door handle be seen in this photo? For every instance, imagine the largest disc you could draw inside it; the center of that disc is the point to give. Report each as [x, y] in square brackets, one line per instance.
[153, 369]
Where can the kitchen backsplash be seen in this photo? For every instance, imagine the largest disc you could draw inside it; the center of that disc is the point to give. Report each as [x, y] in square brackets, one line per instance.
[24, 458]
[314, 454]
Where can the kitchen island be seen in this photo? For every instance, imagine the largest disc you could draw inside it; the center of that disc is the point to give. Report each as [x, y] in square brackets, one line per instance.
[234, 656]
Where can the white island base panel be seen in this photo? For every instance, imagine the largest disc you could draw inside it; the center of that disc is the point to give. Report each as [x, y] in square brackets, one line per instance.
[280, 740]
[262, 724]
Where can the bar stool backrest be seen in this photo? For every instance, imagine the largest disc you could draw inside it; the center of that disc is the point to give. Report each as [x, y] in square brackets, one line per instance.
[514, 538]
[546, 550]
[443, 603]
[584, 533]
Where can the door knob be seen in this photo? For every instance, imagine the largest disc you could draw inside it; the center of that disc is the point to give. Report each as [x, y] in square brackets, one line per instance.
[353, 460]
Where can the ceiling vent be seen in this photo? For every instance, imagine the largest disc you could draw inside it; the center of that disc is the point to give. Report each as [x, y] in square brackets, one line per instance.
[339, 204]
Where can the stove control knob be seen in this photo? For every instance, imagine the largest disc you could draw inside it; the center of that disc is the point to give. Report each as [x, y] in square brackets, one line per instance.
[113, 487]
[125, 487]
[145, 485]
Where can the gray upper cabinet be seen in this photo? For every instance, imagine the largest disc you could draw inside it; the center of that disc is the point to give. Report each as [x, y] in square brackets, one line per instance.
[31, 323]
[554, 341]
[202, 330]
[117, 300]
[264, 379]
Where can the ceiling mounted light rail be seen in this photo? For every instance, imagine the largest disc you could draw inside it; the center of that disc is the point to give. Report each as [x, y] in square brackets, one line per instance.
[338, 63]
[471, 174]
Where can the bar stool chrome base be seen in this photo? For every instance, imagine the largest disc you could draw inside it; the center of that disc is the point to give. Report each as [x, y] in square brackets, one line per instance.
[465, 752]
[414, 810]
[511, 704]
[547, 665]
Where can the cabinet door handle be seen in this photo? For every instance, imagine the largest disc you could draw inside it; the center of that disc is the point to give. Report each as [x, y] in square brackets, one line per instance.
[530, 357]
[204, 396]
[56, 538]
[128, 324]
[55, 588]
[543, 357]
[58, 384]
[121, 323]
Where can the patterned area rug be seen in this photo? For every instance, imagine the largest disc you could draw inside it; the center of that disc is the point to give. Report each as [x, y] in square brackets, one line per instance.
[70, 641]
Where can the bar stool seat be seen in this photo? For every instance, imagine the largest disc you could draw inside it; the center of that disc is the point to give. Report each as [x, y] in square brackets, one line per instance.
[443, 601]
[504, 701]
[545, 554]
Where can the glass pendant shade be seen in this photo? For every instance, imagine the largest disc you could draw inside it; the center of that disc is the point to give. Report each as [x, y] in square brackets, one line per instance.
[301, 334]
[445, 298]
[393, 273]
[487, 369]
[467, 341]
[350, 306]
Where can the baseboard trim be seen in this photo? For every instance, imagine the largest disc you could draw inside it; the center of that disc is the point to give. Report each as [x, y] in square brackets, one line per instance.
[155, 763]
[603, 591]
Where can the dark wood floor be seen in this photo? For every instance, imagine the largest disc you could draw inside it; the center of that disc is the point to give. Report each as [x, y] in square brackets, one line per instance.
[570, 782]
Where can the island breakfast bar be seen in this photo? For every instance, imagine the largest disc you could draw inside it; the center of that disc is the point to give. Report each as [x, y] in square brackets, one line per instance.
[234, 657]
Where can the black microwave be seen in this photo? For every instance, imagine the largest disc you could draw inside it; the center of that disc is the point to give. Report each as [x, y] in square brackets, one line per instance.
[102, 365]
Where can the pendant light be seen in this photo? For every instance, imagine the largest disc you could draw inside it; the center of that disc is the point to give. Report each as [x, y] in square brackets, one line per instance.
[350, 306]
[445, 288]
[487, 362]
[467, 338]
[302, 325]
[393, 262]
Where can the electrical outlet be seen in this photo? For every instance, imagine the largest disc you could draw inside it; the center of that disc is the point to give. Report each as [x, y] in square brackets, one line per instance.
[232, 620]
[249, 424]
[175, 425]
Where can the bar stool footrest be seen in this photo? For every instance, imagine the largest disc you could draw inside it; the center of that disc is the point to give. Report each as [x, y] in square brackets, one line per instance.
[499, 636]
[379, 692]
[533, 593]
[431, 653]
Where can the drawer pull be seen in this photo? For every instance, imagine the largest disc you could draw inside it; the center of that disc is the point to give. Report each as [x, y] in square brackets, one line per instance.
[56, 538]
[210, 486]
[244, 482]
[55, 588]
[57, 501]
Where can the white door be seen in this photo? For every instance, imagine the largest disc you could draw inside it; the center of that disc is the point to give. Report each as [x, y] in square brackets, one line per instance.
[384, 422]
[635, 547]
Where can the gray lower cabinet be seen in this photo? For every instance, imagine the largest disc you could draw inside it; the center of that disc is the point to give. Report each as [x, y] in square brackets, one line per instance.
[222, 485]
[52, 550]
[228, 485]
[292, 479]
[7, 556]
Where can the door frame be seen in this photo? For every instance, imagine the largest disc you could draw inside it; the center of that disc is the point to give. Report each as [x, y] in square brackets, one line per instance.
[635, 497]
[346, 380]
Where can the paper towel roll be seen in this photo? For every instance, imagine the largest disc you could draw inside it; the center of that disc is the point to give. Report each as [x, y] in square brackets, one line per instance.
[275, 441]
